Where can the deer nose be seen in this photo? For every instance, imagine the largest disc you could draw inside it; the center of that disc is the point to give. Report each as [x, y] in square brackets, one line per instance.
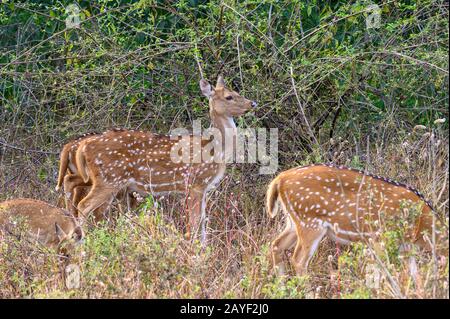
[254, 104]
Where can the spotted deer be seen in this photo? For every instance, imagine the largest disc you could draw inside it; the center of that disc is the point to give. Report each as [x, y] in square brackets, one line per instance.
[75, 188]
[68, 178]
[345, 204]
[48, 224]
[144, 162]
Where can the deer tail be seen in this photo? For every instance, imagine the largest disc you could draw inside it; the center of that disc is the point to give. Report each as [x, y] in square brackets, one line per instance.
[63, 163]
[272, 198]
[81, 163]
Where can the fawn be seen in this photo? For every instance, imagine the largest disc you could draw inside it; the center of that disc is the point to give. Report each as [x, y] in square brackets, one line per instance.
[48, 224]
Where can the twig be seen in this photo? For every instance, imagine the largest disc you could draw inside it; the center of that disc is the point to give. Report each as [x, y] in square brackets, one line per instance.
[5, 144]
[198, 62]
[311, 133]
[239, 62]
[413, 59]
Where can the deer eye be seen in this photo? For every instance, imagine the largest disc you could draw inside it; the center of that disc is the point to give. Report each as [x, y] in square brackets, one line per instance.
[229, 97]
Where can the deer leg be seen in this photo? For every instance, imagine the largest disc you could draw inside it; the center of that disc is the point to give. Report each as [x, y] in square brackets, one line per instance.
[122, 197]
[307, 244]
[203, 220]
[195, 209]
[97, 201]
[283, 242]
[71, 181]
[79, 193]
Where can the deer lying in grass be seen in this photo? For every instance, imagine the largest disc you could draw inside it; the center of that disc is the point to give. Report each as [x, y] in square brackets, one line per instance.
[144, 162]
[75, 188]
[343, 203]
[49, 225]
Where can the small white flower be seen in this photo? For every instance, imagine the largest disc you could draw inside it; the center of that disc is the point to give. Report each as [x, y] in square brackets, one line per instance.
[439, 121]
[419, 127]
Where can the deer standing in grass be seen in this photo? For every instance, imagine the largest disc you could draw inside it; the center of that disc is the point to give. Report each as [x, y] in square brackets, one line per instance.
[343, 203]
[75, 188]
[144, 162]
[48, 224]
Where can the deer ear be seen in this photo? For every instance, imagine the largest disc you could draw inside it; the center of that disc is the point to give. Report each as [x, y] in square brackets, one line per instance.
[206, 88]
[220, 82]
[60, 232]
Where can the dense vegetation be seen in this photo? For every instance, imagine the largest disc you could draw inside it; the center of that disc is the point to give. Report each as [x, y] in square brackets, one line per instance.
[336, 90]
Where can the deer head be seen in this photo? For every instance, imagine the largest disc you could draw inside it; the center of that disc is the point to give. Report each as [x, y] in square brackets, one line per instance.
[68, 240]
[223, 101]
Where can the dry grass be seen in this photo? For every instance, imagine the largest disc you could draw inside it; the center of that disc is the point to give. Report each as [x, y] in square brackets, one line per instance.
[142, 254]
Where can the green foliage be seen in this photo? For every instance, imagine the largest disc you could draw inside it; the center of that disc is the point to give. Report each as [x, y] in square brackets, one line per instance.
[359, 293]
[135, 64]
[281, 288]
[132, 54]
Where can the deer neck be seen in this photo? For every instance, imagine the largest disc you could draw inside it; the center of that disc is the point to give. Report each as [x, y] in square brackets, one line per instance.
[227, 128]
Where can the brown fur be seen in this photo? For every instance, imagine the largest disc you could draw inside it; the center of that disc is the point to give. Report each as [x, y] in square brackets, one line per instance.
[75, 188]
[68, 174]
[67, 158]
[48, 224]
[142, 161]
[343, 203]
